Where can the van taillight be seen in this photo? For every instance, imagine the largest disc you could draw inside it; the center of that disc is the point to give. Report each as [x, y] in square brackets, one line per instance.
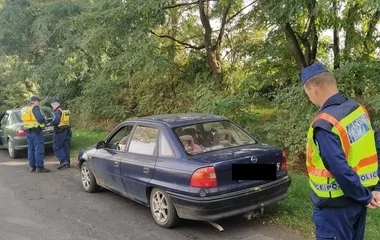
[283, 162]
[204, 178]
[21, 133]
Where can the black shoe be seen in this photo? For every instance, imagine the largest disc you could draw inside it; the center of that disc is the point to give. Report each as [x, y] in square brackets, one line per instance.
[42, 170]
[63, 165]
[32, 169]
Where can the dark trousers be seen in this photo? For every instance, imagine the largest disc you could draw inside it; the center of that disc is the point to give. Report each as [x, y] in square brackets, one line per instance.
[61, 146]
[36, 148]
[346, 223]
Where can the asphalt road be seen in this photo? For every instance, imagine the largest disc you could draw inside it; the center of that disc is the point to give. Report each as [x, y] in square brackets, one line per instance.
[53, 206]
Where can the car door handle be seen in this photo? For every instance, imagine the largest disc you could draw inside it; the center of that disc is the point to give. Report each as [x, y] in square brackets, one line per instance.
[116, 164]
[145, 170]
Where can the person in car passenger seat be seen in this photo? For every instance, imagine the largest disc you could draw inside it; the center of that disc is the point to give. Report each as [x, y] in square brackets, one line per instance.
[195, 148]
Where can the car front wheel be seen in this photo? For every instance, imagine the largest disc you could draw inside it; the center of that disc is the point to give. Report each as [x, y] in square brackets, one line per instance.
[88, 179]
[162, 209]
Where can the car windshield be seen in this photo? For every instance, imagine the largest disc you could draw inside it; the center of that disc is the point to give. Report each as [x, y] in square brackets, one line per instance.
[210, 136]
[46, 112]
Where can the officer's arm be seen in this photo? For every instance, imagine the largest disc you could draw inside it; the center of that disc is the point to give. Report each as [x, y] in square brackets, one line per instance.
[37, 113]
[335, 162]
[56, 119]
[377, 139]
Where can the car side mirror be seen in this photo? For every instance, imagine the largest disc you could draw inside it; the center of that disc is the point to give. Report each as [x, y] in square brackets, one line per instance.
[100, 144]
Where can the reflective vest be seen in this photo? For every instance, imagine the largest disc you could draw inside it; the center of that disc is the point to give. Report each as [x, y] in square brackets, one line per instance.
[29, 119]
[65, 118]
[358, 142]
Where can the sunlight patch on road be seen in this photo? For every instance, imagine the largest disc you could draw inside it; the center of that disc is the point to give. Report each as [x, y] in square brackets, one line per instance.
[22, 163]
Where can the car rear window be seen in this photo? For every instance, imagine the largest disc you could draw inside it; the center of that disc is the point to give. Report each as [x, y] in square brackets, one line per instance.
[210, 136]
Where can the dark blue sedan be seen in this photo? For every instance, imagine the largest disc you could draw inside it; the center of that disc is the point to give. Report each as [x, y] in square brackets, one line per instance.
[181, 166]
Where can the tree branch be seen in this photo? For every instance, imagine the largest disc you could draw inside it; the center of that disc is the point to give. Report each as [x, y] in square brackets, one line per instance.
[241, 10]
[183, 4]
[178, 41]
[180, 5]
[223, 24]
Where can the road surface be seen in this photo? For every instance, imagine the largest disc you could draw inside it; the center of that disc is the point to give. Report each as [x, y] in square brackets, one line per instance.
[53, 206]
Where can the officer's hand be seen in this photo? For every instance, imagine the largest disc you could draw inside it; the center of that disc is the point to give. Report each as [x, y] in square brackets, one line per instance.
[374, 204]
[377, 196]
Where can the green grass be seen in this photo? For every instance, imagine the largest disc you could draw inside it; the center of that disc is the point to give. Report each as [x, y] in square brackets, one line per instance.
[295, 211]
[82, 138]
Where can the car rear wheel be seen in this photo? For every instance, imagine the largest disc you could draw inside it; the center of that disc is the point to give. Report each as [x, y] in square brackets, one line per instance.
[88, 179]
[162, 209]
[11, 150]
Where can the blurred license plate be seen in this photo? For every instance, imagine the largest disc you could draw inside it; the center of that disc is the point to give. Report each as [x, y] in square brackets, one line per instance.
[49, 129]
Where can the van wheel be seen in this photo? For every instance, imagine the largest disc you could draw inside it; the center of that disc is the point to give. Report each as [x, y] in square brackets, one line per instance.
[162, 209]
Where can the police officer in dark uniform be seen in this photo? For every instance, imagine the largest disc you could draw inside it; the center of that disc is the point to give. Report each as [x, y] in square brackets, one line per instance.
[62, 136]
[343, 155]
[33, 124]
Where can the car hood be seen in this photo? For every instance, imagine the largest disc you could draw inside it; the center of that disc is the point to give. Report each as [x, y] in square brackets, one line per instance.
[87, 150]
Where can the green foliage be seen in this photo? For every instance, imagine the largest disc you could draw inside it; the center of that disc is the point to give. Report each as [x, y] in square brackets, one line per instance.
[292, 122]
[16, 19]
[102, 60]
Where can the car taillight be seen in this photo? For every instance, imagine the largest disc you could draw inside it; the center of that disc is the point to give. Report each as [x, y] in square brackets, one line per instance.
[21, 133]
[204, 178]
[283, 163]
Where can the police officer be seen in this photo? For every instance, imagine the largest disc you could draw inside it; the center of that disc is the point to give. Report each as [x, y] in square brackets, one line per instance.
[34, 122]
[61, 143]
[343, 154]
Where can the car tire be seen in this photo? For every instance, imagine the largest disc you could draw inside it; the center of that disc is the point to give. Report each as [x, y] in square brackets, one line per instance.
[88, 179]
[11, 150]
[162, 209]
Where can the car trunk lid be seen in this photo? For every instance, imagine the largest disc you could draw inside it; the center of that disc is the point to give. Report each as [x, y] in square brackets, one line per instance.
[222, 161]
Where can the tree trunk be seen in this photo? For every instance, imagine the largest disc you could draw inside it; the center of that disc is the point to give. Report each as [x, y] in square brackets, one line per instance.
[350, 31]
[336, 48]
[368, 41]
[173, 24]
[211, 52]
[294, 46]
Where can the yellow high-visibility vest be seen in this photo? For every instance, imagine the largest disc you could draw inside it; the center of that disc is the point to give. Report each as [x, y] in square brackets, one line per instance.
[358, 141]
[29, 119]
[65, 118]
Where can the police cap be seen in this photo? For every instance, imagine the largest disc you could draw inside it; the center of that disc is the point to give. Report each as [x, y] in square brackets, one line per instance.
[35, 98]
[312, 70]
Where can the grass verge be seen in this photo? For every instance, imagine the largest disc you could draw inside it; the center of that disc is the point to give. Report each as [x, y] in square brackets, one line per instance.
[82, 138]
[294, 212]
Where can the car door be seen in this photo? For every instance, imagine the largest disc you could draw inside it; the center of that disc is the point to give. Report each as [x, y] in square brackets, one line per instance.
[106, 161]
[139, 161]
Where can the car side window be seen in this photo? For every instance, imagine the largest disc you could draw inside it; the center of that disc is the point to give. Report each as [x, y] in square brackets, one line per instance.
[4, 121]
[13, 119]
[165, 147]
[144, 141]
[119, 140]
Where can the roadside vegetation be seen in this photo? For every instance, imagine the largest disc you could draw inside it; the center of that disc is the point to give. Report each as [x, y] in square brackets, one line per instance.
[113, 60]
